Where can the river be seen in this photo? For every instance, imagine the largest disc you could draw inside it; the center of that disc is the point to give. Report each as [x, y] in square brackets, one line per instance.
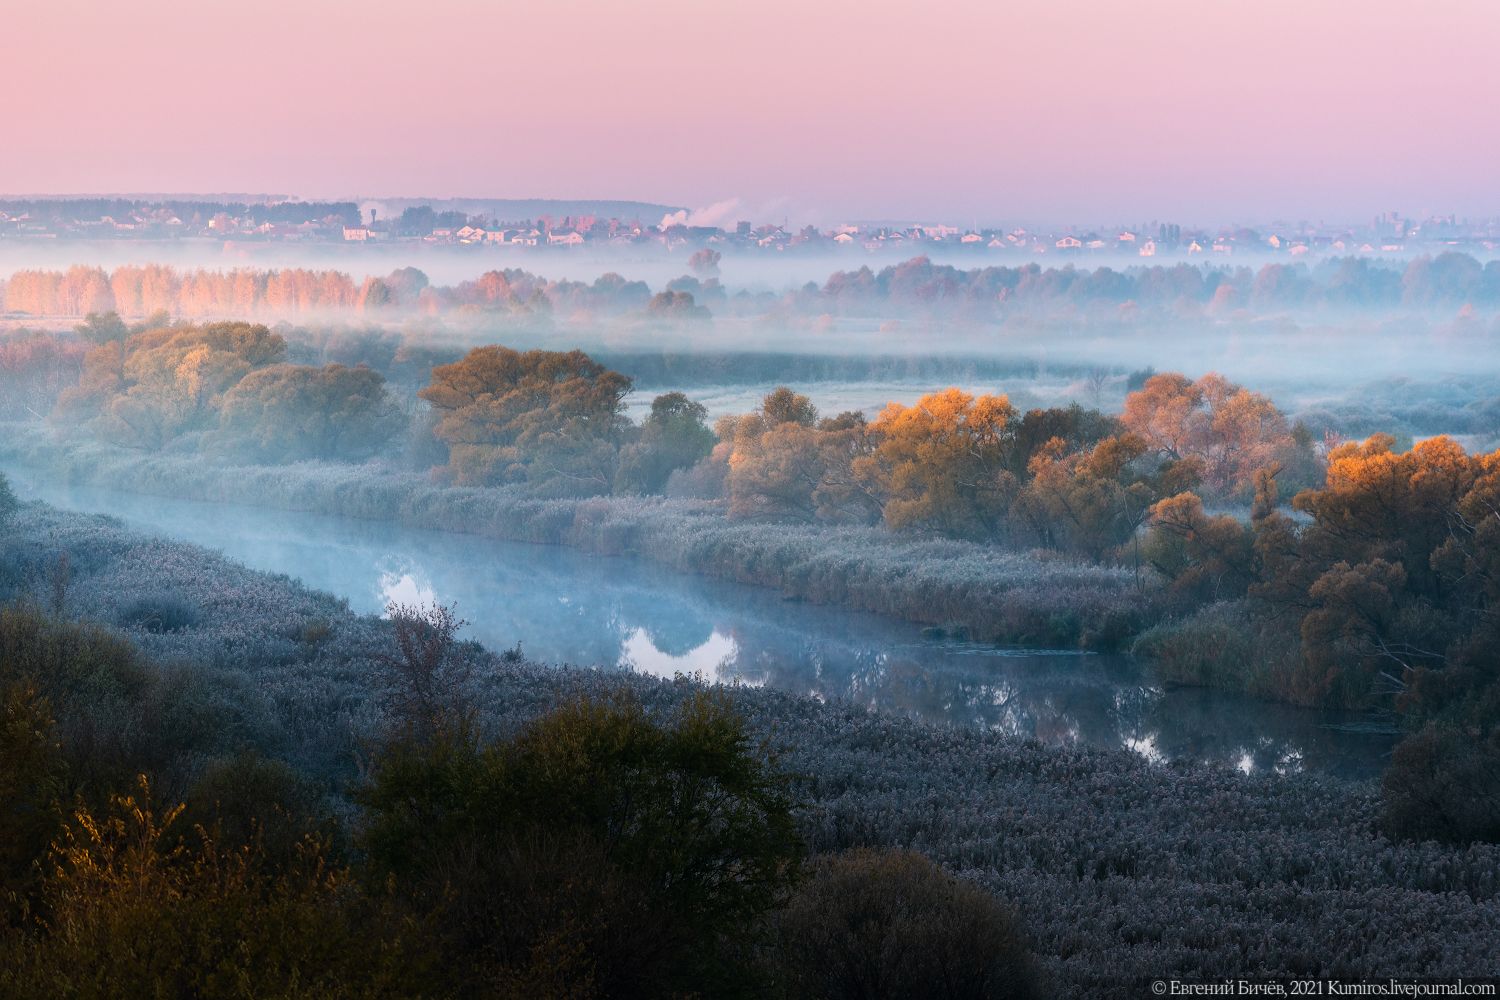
[564, 606]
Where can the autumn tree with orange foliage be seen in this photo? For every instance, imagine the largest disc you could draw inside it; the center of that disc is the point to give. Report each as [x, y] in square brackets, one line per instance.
[951, 464]
[1396, 569]
[941, 463]
[1208, 557]
[1388, 582]
[1095, 500]
[1230, 431]
[158, 384]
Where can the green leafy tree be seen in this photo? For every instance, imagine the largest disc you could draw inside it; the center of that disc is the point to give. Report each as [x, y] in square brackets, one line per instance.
[541, 417]
[782, 463]
[1443, 784]
[783, 406]
[32, 786]
[673, 436]
[288, 413]
[598, 850]
[102, 328]
[676, 305]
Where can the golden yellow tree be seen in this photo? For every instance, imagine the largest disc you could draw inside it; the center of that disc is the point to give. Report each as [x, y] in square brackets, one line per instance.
[940, 464]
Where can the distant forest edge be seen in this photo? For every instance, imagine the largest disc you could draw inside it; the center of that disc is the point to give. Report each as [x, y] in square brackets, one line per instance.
[917, 287]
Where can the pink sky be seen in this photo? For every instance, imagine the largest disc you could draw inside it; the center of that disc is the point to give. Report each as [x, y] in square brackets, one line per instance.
[1109, 110]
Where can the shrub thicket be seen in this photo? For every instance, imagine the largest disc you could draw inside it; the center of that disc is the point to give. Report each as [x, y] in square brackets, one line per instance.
[1443, 784]
[134, 909]
[893, 924]
[598, 849]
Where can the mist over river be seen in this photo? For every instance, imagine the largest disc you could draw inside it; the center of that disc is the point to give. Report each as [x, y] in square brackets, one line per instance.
[564, 606]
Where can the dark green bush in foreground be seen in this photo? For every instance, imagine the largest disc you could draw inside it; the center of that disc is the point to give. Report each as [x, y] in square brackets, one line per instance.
[1443, 784]
[597, 853]
[31, 785]
[871, 924]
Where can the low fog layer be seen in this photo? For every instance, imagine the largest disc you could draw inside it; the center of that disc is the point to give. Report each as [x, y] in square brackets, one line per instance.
[566, 607]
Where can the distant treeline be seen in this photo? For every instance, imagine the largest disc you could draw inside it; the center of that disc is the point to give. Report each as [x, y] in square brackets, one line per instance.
[678, 369]
[916, 287]
[1338, 281]
[139, 291]
[286, 213]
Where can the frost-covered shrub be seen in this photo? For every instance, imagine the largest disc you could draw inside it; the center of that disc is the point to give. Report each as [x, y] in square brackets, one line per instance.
[158, 612]
[893, 924]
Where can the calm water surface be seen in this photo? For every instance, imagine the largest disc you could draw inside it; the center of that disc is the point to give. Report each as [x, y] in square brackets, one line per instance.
[565, 606]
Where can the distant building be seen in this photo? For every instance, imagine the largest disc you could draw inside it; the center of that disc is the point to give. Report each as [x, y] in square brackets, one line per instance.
[1069, 243]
